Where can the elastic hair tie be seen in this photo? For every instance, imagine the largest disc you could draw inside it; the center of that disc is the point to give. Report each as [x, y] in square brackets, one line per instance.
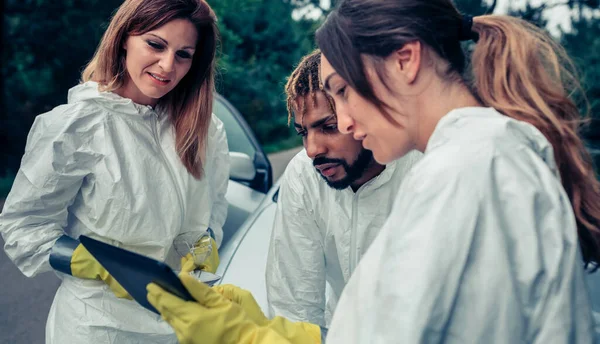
[466, 32]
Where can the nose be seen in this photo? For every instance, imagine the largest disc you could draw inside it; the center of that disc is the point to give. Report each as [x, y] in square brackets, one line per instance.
[167, 62]
[345, 122]
[314, 145]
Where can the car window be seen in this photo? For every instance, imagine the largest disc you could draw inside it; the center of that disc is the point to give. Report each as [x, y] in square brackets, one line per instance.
[236, 137]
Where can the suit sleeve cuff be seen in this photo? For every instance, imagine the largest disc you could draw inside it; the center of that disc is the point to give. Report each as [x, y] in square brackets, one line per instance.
[61, 254]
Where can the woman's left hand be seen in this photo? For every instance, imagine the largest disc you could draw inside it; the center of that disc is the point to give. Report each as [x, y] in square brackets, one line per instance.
[209, 264]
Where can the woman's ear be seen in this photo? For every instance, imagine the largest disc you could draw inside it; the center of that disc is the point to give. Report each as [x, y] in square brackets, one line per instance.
[408, 60]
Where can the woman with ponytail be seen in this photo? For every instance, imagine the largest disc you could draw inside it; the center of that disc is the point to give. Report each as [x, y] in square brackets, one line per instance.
[491, 232]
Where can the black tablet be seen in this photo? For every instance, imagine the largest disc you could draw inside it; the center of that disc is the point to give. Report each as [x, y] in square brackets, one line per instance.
[134, 271]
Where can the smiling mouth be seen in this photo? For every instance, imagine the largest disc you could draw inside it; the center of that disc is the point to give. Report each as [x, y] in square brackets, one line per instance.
[156, 77]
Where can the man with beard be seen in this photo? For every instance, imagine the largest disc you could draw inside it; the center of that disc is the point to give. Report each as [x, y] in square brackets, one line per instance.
[333, 200]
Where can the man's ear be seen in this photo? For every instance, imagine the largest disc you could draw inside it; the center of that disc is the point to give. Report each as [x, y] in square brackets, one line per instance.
[408, 60]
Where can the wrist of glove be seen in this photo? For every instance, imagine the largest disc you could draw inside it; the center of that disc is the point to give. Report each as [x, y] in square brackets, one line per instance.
[295, 332]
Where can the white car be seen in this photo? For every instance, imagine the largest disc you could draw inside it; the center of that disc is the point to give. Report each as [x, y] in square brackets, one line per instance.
[252, 201]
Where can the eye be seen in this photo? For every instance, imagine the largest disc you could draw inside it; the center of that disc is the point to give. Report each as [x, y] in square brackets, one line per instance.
[154, 45]
[330, 128]
[341, 91]
[184, 54]
[301, 133]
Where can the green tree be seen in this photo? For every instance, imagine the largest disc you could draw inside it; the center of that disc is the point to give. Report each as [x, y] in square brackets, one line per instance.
[45, 45]
[258, 53]
[475, 7]
[583, 45]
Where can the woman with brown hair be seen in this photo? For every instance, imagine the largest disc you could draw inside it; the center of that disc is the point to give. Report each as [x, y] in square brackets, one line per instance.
[135, 158]
[491, 231]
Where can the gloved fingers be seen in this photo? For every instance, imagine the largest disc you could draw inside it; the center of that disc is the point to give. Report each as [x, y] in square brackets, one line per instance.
[211, 263]
[84, 265]
[187, 263]
[233, 293]
[181, 315]
[167, 304]
[114, 285]
[203, 293]
[185, 259]
[154, 295]
[214, 256]
[244, 299]
[226, 290]
[119, 291]
[202, 249]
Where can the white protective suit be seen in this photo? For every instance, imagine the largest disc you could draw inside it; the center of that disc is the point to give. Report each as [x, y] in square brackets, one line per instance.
[107, 168]
[480, 247]
[320, 234]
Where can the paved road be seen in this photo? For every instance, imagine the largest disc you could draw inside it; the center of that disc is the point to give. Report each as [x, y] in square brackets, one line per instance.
[25, 302]
[280, 160]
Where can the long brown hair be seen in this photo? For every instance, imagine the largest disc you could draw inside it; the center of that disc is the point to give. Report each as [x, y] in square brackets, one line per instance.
[516, 68]
[189, 104]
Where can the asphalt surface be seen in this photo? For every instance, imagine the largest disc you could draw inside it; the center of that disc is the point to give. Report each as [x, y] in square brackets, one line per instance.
[280, 160]
[25, 302]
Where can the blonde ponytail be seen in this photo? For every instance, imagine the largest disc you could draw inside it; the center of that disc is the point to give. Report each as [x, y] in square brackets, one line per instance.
[522, 72]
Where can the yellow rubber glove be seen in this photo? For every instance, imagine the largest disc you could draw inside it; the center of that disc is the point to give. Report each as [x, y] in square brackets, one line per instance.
[294, 332]
[84, 265]
[187, 263]
[215, 319]
[210, 264]
[245, 300]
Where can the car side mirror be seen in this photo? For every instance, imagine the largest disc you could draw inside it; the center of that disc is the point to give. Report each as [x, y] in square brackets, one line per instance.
[242, 167]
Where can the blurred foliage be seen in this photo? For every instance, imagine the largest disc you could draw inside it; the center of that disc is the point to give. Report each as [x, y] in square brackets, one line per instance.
[258, 53]
[47, 43]
[475, 7]
[583, 44]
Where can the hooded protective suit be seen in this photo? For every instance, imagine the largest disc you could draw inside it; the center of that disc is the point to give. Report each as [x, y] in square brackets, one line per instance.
[106, 167]
[320, 234]
[480, 247]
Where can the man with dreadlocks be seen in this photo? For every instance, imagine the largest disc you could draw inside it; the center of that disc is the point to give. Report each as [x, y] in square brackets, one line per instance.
[334, 198]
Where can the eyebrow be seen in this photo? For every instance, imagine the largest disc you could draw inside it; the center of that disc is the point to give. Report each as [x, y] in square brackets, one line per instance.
[167, 43]
[316, 123]
[326, 83]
